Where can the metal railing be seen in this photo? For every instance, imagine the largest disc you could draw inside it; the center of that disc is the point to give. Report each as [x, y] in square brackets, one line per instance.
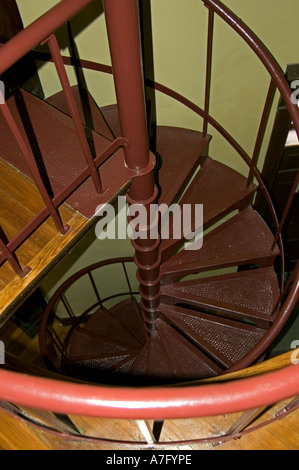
[41, 32]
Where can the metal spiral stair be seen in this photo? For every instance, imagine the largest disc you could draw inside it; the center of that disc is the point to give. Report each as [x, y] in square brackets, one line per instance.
[205, 325]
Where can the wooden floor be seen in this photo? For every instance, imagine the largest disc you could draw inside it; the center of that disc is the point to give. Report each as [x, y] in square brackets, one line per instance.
[281, 435]
[20, 202]
[19, 435]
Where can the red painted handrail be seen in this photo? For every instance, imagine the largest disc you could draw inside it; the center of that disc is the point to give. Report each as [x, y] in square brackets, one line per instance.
[150, 403]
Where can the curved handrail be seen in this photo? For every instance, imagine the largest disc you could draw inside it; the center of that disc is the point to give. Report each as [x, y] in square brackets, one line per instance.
[151, 402]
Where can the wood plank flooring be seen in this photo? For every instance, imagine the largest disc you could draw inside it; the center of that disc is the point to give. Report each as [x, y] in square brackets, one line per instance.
[20, 201]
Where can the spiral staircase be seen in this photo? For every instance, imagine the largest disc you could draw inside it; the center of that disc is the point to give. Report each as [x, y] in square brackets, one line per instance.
[198, 313]
[209, 323]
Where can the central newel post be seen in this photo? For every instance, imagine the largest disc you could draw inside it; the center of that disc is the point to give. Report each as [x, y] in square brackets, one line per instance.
[122, 20]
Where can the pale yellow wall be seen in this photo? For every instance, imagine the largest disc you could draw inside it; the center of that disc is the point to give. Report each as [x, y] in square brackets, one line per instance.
[179, 33]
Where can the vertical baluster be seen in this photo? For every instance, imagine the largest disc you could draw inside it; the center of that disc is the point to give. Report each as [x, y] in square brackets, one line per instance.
[261, 131]
[58, 61]
[12, 259]
[33, 168]
[146, 431]
[95, 289]
[128, 280]
[208, 71]
[56, 340]
[286, 210]
[70, 313]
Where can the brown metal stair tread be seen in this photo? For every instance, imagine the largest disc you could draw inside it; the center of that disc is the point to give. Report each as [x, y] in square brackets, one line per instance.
[55, 145]
[252, 294]
[167, 357]
[96, 348]
[226, 341]
[106, 325]
[220, 189]
[100, 350]
[86, 346]
[96, 370]
[128, 314]
[111, 117]
[90, 113]
[243, 239]
[179, 150]
[100, 331]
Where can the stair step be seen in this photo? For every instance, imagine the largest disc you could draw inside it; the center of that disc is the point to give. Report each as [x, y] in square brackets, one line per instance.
[220, 189]
[92, 369]
[86, 345]
[50, 134]
[168, 357]
[243, 239]
[110, 114]
[252, 294]
[90, 113]
[129, 316]
[226, 341]
[107, 325]
[101, 329]
[179, 152]
[123, 367]
[97, 347]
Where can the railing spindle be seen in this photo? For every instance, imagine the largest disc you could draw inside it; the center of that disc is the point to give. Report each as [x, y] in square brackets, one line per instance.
[58, 61]
[128, 280]
[95, 289]
[65, 304]
[12, 259]
[261, 131]
[56, 340]
[208, 71]
[32, 167]
[286, 210]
